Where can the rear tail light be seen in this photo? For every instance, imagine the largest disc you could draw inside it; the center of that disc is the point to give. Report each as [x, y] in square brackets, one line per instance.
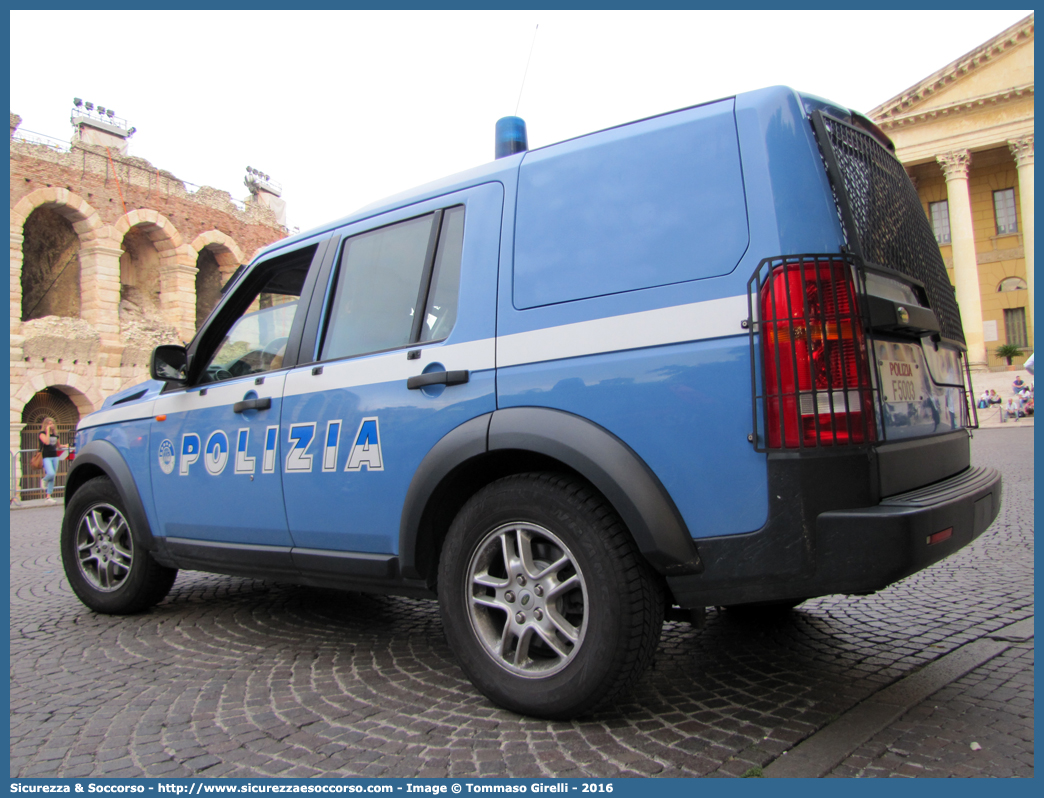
[816, 371]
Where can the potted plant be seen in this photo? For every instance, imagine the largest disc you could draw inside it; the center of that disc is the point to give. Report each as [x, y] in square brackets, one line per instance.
[1008, 351]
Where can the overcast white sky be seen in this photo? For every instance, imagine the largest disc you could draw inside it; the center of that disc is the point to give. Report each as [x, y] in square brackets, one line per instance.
[346, 107]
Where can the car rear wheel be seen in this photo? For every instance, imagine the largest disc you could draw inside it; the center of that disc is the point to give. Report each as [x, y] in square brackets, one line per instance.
[545, 600]
[106, 568]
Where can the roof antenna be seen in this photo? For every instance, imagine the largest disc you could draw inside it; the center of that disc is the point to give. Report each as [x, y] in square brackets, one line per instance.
[511, 136]
[530, 58]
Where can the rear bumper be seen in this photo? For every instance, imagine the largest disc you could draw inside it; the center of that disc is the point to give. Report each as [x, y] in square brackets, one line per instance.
[859, 550]
[869, 548]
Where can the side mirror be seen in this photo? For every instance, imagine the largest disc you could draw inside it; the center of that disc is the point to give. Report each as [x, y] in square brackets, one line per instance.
[169, 363]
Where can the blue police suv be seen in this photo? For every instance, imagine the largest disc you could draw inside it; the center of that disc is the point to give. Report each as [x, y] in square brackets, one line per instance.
[709, 358]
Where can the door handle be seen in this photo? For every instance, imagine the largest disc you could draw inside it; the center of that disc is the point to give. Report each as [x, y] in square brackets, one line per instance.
[252, 404]
[438, 378]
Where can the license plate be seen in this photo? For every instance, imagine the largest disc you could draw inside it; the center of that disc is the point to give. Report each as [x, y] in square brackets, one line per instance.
[899, 381]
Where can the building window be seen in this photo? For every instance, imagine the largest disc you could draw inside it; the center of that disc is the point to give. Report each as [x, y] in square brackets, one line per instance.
[1004, 211]
[1011, 284]
[1015, 326]
[940, 213]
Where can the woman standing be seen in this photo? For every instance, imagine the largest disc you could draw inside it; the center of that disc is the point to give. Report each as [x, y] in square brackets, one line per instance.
[49, 450]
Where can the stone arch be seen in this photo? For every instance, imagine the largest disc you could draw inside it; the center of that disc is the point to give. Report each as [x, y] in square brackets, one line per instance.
[222, 242]
[50, 274]
[149, 242]
[160, 227]
[51, 402]
[79, 388]
[76, 209]
[67, 403]
[218, 257]
[149, 236]
[56, 236]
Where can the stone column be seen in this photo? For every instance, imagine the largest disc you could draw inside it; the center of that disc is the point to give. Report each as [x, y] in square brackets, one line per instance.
[17, 339]
[178, 291]
[17, 239]
[965, 262]
[100, 289]
[1022, 149]
[16, 467]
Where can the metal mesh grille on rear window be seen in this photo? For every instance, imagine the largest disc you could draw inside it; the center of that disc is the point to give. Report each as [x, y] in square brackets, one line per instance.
[877, 199]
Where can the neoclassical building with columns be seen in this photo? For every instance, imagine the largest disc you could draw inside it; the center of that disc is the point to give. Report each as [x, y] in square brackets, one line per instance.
[965, 136]
[110, 256]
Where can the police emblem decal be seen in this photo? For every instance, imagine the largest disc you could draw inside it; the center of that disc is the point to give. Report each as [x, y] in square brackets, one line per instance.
[166, 456]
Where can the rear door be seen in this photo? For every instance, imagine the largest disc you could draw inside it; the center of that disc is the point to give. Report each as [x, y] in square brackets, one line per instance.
[403, 353]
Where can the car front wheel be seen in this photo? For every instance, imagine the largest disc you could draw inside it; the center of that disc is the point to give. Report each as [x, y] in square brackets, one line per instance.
[106, 568]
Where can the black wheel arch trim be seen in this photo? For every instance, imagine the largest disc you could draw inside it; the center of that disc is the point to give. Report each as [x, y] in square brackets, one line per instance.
[615, 469]
[104, 456]
[459, 445]
[591, 451]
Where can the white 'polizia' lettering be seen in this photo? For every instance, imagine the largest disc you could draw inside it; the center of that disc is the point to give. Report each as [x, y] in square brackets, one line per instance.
[215, 455]
[365, 453]
[333, 438]
[244, 464]
[189, 452]
[297, 459]
[367, 448]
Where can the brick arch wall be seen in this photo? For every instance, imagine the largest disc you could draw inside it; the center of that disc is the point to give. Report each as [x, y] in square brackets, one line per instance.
[179, 222]
[218, 257]
[78, 387]
[174, 258]
[85, 221]
[77, 384]
[163, 234]
[216, 240]
[70, 205]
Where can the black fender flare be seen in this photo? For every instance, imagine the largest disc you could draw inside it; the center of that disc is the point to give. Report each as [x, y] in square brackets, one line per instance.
[614, 469]
[453, 450]
[608, 463]
[103, 455]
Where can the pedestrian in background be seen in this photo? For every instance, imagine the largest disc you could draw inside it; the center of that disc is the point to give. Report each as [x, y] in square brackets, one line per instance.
[49, 450]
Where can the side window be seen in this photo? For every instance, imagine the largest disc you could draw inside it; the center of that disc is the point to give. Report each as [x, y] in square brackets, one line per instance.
[256, 338]
[441, 311]
[384, 275]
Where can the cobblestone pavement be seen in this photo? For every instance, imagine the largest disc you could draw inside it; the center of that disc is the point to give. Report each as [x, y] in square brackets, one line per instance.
[981, 725]
[237, 677]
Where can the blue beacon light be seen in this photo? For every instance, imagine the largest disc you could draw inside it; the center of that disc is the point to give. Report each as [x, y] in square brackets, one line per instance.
[511, 136]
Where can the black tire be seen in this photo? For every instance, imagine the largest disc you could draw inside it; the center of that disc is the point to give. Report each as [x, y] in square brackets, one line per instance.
[105, 566]
[536, 657]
